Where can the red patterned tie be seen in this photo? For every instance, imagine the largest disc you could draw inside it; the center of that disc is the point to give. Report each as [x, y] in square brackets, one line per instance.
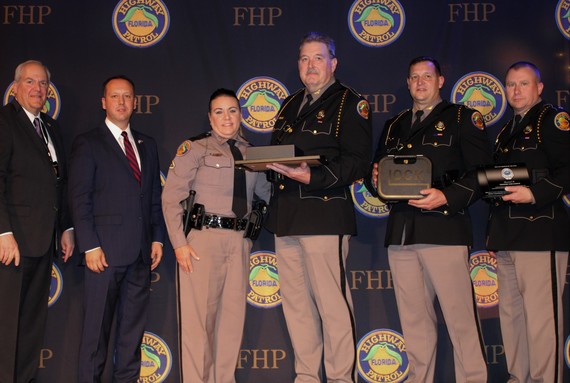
[131, 157]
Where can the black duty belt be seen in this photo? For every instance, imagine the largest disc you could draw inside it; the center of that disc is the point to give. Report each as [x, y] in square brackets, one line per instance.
[215, 221]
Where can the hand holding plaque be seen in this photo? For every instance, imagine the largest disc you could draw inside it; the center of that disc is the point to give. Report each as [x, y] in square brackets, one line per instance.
[493, 179]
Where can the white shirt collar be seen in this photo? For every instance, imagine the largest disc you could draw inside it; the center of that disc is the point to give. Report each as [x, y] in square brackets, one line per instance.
[116, 131]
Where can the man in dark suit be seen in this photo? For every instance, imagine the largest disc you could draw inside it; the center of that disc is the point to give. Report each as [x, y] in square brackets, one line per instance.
[33, 213]
[312, 214]
[114, 186]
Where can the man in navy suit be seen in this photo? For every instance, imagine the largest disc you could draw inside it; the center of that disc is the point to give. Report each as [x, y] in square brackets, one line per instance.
[33, 213]
[114, 187]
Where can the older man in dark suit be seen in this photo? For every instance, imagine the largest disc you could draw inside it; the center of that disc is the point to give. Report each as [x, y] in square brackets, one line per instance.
[32, 214]
[115, 202]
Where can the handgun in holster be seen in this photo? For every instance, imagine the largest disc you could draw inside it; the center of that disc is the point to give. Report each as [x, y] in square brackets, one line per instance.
[255, 220]
[193, 215]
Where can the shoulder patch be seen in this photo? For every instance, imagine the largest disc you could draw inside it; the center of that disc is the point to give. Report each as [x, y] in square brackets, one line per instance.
[562, 121]
[477, 120]
[363, 109]
[183, 148]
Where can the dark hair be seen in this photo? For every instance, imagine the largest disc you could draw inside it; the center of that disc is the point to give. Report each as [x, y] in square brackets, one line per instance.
[319, 38]
[420, 59]
[221, 92]
[525, 64]
[117, 77]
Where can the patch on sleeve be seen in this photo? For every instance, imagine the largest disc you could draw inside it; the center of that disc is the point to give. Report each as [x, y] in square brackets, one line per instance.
[477, 120]
[363, 108]
[183, 148]
[562, 121]
[172, 165]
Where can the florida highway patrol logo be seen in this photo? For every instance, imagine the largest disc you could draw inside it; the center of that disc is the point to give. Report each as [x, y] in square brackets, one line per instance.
[156, 359]
[141, 24]
[483, 92]
[260, 99]
[263, 291]
[53, 101]
[376, 23]
[563, 17]
[483, 271]
[382, 357]
[366, 203]
[55, 286]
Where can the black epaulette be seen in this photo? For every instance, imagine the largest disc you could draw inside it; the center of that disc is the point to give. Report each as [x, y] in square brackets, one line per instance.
[200, 136]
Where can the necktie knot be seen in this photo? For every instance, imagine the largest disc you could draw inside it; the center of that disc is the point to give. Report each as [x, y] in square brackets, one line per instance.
[419, 114]
[306, 105]
[38, 127]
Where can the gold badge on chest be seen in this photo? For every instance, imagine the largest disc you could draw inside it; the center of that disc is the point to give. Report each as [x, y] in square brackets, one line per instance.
[440, 126]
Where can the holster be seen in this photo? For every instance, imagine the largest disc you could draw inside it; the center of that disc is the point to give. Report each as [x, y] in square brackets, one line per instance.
[255, 220]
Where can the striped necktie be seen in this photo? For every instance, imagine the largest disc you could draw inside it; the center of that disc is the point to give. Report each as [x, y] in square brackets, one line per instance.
[131, 157]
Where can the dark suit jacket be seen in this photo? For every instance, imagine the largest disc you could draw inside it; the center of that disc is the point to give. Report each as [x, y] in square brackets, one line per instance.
[33, 203]
[336, 126]
[109, 208]
[453, 137]
[542, 142]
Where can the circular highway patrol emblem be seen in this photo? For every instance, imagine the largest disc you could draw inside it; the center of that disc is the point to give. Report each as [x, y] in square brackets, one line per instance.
[365, 203]
[55, 286]
[376, 23]
[483, 272]
[141, 24]
[263, 291]
[562, 16]
[381, 357]
[260, 99]
[156, 359]
[483, 92]
[53, 101]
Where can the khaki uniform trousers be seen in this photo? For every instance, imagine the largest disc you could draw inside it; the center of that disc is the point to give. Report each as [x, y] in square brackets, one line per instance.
[317, 306]
[420, 273]
[531, 314]
[212, 303]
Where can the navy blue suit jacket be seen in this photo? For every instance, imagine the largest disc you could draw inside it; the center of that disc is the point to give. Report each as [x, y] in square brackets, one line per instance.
[109, 208]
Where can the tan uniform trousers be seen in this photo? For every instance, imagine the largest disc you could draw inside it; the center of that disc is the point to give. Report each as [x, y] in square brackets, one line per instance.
[531, 314]
[212, 303]
[317, 306]
[420, 273]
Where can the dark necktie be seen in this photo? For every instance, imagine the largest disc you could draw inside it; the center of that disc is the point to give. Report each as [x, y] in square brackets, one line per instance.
[38, 127]
[516, 122]
[131, 157]
[417, 121]
[307, 105]
[239, 204]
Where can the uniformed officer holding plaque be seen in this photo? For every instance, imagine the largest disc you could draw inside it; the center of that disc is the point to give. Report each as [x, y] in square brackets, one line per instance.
[312, 214]
[213, 257]
[530, 231]
[428, 238]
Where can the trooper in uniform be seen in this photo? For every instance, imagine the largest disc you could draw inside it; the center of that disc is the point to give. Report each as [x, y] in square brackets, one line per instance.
[312, 214]
[214, 255]
[428, 238]
[530, 232]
